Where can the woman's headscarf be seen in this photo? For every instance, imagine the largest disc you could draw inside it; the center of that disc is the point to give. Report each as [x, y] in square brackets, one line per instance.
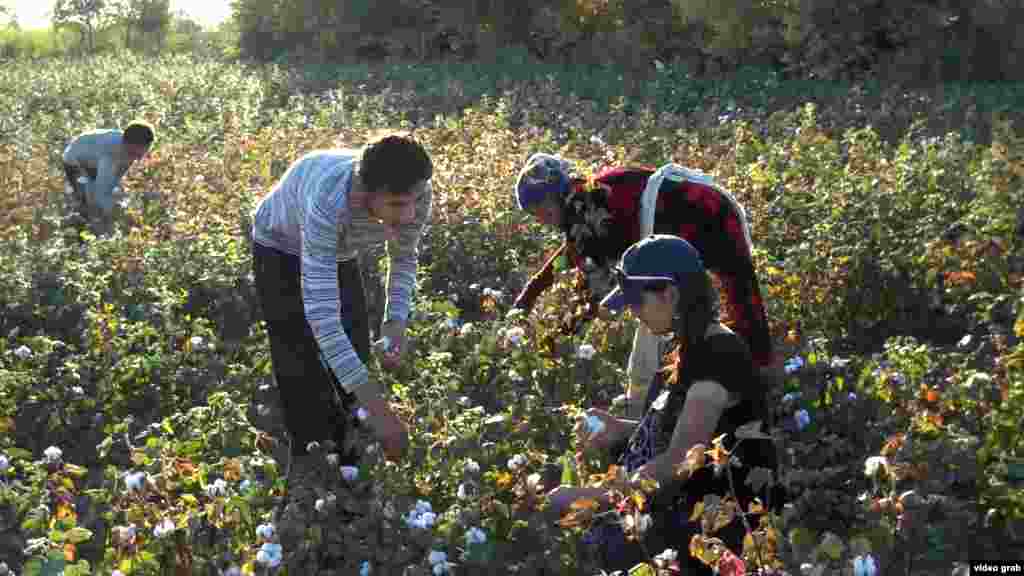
[543, 176]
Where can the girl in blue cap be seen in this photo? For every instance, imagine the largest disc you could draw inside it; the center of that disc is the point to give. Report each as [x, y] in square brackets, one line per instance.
[602, 216]
[710, 388]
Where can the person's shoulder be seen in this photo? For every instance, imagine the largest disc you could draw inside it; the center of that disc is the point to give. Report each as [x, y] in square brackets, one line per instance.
[619, 174]
[99, 136]
[723, 345]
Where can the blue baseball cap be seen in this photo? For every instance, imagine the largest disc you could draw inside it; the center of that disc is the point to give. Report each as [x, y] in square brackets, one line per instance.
[543, 175]
[656, 259]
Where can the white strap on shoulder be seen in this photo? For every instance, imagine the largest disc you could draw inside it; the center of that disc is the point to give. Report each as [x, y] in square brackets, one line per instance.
[677, 173]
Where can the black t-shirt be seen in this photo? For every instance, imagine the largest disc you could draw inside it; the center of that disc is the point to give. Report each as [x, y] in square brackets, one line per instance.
[725, 359]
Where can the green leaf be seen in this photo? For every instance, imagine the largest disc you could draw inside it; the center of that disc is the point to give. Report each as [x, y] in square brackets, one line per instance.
[77, 535]
[480, 553]
[644, 569]
[75, 470]
[569, 476]
[55, 564]
[18, 454]
[33, 567]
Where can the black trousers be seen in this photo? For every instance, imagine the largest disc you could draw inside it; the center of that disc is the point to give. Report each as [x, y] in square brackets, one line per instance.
[315, 406]
[71, 174]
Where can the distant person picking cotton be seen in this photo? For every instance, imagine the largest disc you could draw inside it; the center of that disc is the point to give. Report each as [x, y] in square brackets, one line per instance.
[95, 162]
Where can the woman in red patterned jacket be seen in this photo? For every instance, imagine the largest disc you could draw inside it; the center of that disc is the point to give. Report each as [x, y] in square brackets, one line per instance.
[603, 215]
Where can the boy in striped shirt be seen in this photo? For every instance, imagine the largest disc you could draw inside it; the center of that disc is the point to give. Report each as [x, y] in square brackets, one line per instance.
[329, 206]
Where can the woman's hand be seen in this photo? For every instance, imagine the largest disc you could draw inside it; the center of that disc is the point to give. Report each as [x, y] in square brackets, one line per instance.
[561, 498]
[597, 430]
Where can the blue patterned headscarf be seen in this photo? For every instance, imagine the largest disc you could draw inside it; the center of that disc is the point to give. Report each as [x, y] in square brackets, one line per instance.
[543, 176]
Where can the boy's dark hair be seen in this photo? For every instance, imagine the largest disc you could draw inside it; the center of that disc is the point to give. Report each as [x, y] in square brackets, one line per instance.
[139, 133]
[395, 162]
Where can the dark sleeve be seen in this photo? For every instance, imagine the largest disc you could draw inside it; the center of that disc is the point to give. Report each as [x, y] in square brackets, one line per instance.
[728, 362]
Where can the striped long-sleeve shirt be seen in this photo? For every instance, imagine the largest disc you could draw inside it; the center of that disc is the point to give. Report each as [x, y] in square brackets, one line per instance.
[308, 214]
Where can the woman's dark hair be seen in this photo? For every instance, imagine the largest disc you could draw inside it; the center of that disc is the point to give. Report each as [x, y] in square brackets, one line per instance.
[696, 308]
[139, 133]
[395, 163]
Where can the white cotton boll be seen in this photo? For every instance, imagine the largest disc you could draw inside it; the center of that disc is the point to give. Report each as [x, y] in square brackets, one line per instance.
[4, 463]
[196, 342]
[23, 352]
[52, 454]
[516, 462]
[872, 464]
[218, 488]
[428, 519]
[423, 506]
[586, 351]
[437, 556]
[645, 523]
[164, 528]
[471, 467]
[669, 555]
[333, 459]
[475, 536]
[269, 555]
[265, 531]
[134, 481]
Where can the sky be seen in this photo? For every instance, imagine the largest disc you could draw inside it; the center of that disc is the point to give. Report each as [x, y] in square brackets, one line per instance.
[35, 13]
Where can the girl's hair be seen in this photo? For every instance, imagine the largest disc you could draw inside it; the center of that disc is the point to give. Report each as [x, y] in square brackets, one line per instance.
[394, 162]
[696, 309]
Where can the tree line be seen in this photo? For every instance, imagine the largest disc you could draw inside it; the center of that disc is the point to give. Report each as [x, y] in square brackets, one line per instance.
[827, 39]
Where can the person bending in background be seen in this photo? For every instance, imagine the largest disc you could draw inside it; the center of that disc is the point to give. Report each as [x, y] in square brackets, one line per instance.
[95, 162]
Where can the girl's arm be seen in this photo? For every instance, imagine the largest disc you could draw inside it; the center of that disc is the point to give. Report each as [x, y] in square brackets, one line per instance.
[705, 402]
